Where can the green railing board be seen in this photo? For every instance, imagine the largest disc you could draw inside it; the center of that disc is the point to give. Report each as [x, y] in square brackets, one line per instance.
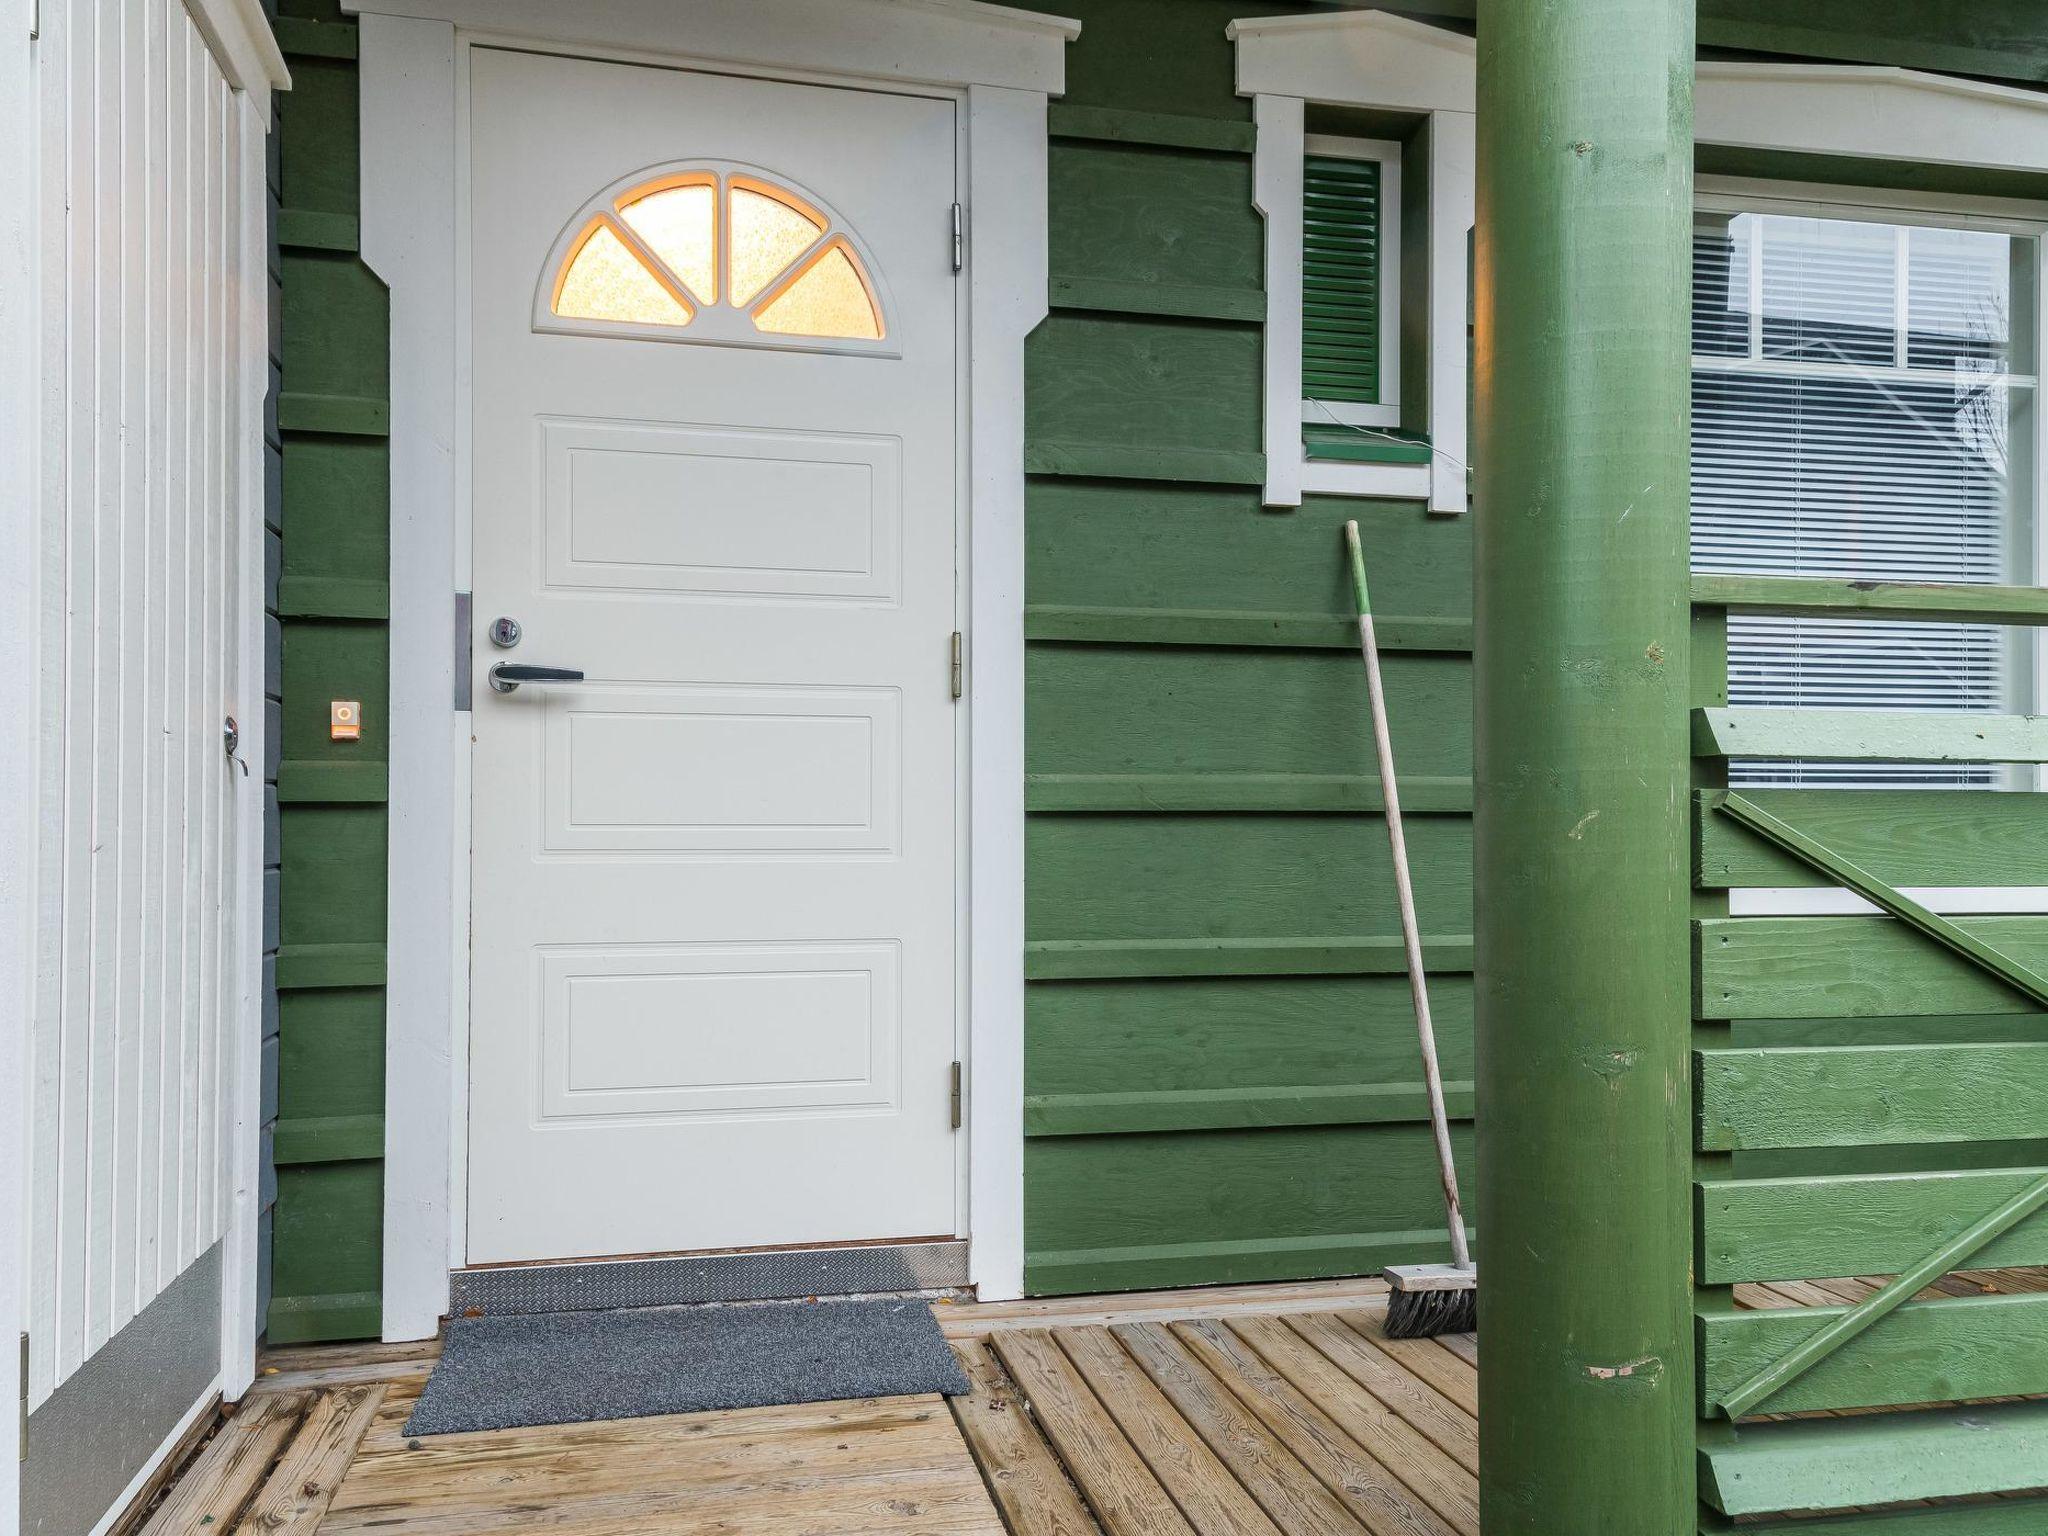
[1328, 793]
[1095, 544]
[1811, 597]
[1952, 1350]
[1149, 216]
[1088, 959]
[1846, 1463]
[1228, 1109]
[1908, 837]
[1841, 1332]
[1829, 1226]
[1848, 967]
[1870, 736]
[1993, 1517]
[1930, 1029]
[1850, 1096]
[1213, 627]
[1185, 709]
[1853, 877]
[1257, 1033]
[1217, 877]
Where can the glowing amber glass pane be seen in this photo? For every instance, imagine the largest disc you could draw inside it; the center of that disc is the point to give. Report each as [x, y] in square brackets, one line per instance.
[680, 225]
[767, 235]
[828, 300]
[605, 281]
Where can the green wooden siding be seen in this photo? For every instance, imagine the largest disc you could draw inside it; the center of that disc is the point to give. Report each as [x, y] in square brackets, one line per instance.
[1221, 1071]
[1340, 279]
[333, 412]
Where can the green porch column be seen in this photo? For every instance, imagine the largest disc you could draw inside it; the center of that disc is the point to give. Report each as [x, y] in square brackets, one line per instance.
[1583, 1217]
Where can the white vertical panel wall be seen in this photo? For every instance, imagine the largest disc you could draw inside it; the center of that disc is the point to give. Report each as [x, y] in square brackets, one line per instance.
[149, 296]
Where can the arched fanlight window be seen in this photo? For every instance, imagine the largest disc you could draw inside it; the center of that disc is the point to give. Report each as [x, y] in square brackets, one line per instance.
[715, 253]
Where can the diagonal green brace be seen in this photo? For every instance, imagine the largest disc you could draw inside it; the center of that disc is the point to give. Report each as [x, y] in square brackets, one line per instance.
[1957, 1251]
[2028, 983]
[1824, 1341]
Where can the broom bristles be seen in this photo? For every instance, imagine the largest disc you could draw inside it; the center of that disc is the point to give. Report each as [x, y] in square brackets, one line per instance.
[1426, 1314]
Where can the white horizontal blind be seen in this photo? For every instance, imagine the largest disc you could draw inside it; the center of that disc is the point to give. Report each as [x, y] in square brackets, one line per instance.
[1853, 402]
[143, 434]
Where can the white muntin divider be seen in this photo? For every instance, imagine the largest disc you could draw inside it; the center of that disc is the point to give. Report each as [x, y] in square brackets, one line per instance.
[1002, 64]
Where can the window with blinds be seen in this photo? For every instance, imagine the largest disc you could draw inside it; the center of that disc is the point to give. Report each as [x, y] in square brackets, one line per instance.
[1863, 406]
[1340, 278]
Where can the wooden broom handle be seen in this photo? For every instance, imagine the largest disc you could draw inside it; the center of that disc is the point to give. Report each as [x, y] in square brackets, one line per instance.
[1411, 937]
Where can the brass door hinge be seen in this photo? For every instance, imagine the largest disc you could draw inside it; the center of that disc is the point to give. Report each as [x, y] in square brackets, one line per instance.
[954, 1102]
[958, 670]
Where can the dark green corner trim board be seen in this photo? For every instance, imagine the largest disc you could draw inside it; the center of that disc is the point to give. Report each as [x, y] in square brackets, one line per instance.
[333, 417]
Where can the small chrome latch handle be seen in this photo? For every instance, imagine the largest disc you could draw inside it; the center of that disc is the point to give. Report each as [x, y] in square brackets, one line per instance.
[506, 675]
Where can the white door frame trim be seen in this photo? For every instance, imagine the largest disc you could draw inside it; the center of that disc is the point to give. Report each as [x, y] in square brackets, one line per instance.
[1000, 65]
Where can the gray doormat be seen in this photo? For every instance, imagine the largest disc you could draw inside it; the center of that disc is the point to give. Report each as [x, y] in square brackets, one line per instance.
[573, 1367]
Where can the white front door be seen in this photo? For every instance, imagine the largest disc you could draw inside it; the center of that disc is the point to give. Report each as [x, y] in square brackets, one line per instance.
[714, 988]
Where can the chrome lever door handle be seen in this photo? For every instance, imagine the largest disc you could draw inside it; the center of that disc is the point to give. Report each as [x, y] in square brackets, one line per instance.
[508, 675]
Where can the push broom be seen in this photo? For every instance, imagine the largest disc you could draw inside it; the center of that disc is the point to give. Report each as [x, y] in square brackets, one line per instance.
[1422, 1299]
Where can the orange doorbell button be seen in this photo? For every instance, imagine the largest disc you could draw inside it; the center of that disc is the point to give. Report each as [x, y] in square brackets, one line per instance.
[345, 720]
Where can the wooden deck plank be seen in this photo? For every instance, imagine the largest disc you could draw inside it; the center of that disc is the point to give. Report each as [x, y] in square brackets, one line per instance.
[295, 1498]
[1213, 1501]
[858, 1439]
[1447, 1425]
[1024, 1477]
[1464, 1345]
[220, 1483]
[895, 1466]
[1297, 1502]
[1422, 1466]
[1127, 1499]
[1421, 1358]
[1382, 1501]
[967, 1319]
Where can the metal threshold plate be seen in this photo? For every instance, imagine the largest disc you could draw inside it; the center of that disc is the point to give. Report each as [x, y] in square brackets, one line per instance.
[601, 1284]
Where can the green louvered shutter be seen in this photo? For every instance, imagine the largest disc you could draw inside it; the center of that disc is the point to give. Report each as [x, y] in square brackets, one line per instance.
[1340, 279]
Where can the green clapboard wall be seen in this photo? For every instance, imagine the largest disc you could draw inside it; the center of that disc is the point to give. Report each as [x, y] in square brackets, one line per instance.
[1221, 1069]
[332, 418]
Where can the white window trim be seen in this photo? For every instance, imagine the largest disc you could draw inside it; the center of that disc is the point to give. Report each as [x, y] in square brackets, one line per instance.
[1384, 62]
[1000, 65]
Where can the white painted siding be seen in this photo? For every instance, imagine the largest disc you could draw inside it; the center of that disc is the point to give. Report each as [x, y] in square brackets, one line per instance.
[151, 172]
